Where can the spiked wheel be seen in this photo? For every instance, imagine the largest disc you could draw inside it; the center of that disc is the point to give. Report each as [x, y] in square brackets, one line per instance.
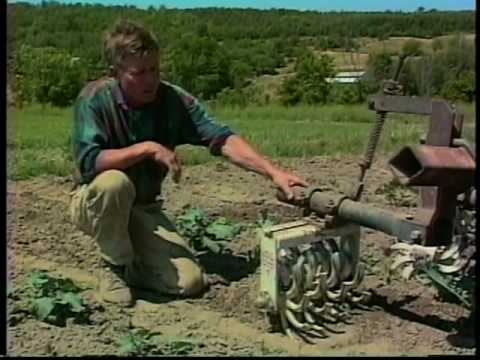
[319, 288]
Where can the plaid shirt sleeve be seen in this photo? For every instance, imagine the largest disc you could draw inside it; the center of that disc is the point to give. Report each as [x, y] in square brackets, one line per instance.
[202, 128]
[88, 138]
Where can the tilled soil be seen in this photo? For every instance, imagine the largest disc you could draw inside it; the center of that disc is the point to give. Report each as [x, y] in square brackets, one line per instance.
[405, 318]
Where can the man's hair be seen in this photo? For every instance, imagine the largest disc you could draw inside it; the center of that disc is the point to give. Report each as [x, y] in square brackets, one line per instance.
[127, 38]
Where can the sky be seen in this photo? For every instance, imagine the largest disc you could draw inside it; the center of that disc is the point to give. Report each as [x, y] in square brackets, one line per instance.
[320, 5]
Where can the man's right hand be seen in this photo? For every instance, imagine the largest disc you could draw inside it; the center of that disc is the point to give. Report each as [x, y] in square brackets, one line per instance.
[166, 157]
[129, 156]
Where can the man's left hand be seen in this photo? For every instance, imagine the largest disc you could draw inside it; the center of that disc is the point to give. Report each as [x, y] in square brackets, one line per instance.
[285, 181]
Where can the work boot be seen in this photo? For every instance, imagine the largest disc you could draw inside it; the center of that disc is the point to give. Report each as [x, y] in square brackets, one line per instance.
[113, 287]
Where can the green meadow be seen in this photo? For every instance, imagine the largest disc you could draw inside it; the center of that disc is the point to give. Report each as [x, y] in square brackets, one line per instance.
[39, 139]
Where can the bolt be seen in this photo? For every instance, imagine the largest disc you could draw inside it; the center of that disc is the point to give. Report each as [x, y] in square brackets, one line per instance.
[416, 235]
[282, 253]
[263, 301]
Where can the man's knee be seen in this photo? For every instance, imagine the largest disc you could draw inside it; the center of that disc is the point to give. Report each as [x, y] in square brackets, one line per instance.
[191, 278]
[113, 182]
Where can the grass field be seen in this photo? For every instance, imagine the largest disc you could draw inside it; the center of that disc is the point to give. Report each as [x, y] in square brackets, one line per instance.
[39, 137]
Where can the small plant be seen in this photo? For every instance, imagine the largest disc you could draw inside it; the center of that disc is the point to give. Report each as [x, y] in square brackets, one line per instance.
[178, 345]
[398, 194]
[144, 342]
[52, 300]
[138, 342]
[204, 232]
[266, 220]
[457, 289]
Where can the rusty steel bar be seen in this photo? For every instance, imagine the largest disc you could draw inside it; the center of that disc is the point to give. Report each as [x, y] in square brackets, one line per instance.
[401, 104]
[382, 220]
[425, 165]
[324, 204]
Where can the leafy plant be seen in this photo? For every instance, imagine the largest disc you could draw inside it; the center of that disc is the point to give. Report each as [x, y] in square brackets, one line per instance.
[138, 342]
[266, 220]
[178, 345]
[144, 342]
[54, 300]
[203, 232]
[398, 194]
[451, 288]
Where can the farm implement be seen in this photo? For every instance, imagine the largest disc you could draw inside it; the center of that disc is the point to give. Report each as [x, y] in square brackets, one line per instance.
[311, 269]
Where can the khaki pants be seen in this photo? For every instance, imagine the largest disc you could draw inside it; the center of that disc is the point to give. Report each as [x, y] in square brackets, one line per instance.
[139, 236]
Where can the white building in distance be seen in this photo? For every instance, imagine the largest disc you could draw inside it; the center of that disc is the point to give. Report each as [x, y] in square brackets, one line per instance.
[346, 77]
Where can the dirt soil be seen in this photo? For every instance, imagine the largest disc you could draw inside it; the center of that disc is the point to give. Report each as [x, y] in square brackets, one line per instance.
[405, 318]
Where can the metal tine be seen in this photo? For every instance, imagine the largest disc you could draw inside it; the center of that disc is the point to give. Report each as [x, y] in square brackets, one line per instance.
[320, 288]
[401, 260]
[328, 327]
[293, 292]
[358, 301]
[314, 323]
[294, 306]
[319, 329]
[290, 332]
[345, 262]
[408, 271]
[302, 335]
[309, 276]
[359, 274]
[332, 244]
[316, 310]
[313, 335]
[333, 312]
[323, 256]
[312, 270]
[333, 279]
[349, 245]
[298, 273]
[283, 320]
[344, 316]
[319, 333]
[309, 317]
[312, 259]
[449, 269]
[297, 324]
[339, 296]
[354, 283]
[326, 315]
[300, 329]
[451, 252]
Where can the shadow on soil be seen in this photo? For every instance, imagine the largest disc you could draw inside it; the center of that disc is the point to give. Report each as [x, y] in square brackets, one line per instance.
[223, 268]
[229, 266]
[464, 331]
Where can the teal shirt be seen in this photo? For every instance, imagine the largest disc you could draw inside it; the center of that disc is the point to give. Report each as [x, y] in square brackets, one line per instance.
[102, 120]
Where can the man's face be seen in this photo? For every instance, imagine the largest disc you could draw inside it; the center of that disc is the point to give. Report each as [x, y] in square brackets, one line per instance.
[139, 78]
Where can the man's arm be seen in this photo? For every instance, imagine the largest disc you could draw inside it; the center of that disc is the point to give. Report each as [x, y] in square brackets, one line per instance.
[121, 158]
[124, 158]
[241, 153]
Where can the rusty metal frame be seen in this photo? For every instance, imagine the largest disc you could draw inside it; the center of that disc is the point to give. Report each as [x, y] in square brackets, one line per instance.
[437, 203]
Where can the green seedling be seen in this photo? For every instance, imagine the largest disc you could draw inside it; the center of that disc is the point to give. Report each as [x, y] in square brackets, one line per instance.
[52, 300]
[450, 288]
[143, 342]
[203, 232]
[398, 195]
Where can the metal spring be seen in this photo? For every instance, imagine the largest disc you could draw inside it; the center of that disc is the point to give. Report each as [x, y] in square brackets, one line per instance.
[373, 140]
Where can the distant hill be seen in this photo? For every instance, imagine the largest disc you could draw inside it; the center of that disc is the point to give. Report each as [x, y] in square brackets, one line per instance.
[232, 48]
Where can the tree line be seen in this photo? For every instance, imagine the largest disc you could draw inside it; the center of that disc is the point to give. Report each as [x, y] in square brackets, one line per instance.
[215, 53]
